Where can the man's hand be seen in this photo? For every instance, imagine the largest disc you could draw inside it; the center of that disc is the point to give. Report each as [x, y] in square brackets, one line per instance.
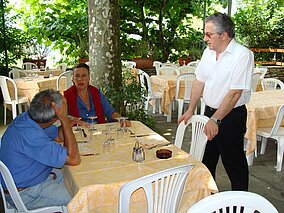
[185, 117]
[79, 122]
[211, 129]
[61, 112]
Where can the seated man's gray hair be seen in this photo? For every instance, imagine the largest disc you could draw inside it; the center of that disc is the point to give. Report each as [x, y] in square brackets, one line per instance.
[41, 110]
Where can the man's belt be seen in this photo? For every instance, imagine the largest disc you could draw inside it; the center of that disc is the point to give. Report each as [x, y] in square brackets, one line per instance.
[19, 189]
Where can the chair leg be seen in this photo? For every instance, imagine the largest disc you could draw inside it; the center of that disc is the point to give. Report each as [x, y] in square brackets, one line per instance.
[180, 109]
[20, 108]
[250, 159]
[5, 114]
[263, 145]
[14, 111]
[280, 152]
[160, 106]
[154, 106]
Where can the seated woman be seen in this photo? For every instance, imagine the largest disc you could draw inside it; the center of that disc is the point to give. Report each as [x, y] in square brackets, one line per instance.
[84, 100]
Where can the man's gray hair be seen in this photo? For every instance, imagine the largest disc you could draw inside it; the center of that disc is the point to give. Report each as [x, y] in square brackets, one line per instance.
[41, 110]
[223, 23]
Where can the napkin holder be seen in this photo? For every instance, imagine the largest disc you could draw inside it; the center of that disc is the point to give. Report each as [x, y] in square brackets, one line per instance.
[138, 154]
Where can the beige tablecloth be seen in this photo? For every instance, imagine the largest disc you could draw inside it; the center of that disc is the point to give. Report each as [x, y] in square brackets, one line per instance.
[95, 183]
[55, 72]
[29, 86]
[262, 110]
[166, 85]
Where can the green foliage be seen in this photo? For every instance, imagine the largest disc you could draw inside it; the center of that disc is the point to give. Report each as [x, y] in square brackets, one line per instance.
[260, 23]
[159, 27]
[63, 23]
[16, 39]
[133, 97]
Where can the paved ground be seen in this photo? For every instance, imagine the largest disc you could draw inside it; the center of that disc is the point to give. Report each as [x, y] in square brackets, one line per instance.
[264, 179]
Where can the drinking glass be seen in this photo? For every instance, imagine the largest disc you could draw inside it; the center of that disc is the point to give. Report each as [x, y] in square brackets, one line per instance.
[92, 125]
[122, 122]
[108, 132]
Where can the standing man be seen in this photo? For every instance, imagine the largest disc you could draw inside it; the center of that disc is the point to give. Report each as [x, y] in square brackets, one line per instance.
[30, 150]
[223, 77]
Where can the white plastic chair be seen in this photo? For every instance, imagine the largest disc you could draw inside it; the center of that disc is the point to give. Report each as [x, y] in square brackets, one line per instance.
[262, 70]
[227, 201]
[186, 69]
[129, 64]
[198, 137]
[9, 100]
[187, 79]
[62, 66]
[167, 70]
[68, 74]
[277, 133]
[255, 79]
[29, 66]
[163, 190]
[193, 63]
[156, 96]
[157, 65]
[16, 73]
[271, 84]
[20, 206]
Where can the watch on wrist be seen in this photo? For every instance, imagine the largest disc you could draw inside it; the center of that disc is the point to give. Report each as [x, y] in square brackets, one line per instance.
[217, 121]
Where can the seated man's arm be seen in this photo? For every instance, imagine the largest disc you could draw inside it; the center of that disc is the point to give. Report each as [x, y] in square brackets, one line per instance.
[65, 131]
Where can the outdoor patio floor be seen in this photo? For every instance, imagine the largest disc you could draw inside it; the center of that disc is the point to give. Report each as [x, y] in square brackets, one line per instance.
[264, 179]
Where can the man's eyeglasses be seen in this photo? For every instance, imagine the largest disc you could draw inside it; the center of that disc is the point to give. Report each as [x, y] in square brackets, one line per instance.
[209, 35]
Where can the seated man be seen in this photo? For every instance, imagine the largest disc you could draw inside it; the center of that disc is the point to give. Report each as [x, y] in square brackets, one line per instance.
[84, 100]
[30, 149]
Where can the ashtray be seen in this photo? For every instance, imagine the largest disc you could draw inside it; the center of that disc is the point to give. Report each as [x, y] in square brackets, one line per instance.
[163, 153]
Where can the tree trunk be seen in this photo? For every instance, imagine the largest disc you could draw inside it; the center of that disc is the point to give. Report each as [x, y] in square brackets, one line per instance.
[104, 49]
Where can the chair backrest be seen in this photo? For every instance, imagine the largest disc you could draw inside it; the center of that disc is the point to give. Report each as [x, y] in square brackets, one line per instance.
[29, 66]
[193, 63]
[262, 70]
[167, 70]
[186, 69]
[167, 64]
[17, 73]
[227, 201]
[62, 66]
[9, 182]
[187, 80]
[271, 84]
[277, 122]
[254, 81]
[129, 64]
[145, 82]
[18, 202]
[163, 190]
[5, 91]
[198, 137]
[68, 74]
